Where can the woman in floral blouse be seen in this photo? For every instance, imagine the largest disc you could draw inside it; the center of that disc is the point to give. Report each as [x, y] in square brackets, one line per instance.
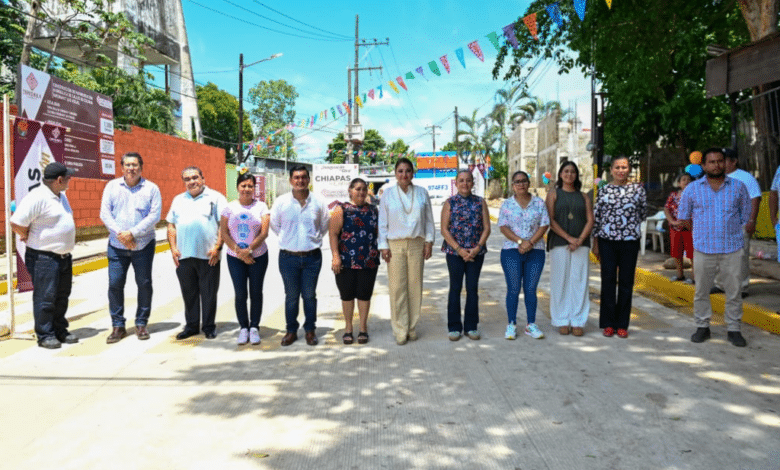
[620, 209]
[353, 241]
[523, 221]
[465, 226]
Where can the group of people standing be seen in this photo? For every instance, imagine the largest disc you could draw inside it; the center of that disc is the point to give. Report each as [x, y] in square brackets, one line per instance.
[399, 231]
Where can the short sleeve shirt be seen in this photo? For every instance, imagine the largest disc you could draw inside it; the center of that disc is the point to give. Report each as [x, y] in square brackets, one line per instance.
[523, 222]
[197, 221]
[619, 212]
[50, 220]
[776, 186]
[244, 224]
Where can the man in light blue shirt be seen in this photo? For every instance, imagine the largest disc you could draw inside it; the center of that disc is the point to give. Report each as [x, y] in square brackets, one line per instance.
[196, 244]
[718, 206]
[130, 209]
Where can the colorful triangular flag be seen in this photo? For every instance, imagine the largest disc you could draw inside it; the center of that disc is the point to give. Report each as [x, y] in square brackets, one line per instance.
[493, 37]
[392, 85]
[474, 46]
[420, 71]
[530, 23]
[371, 93]
[579, 7]
[609, 4]
[434, 68]
[401, 82]
[555, 13]
[459, 53]
[509, 33]
[445, 62]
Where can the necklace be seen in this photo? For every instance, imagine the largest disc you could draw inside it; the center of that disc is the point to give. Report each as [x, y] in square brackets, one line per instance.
[401, 198]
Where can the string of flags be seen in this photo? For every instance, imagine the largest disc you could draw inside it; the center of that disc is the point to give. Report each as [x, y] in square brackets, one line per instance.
[507, 35]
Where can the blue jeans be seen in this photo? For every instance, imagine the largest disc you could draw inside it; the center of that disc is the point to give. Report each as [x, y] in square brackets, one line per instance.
[522, 269]
[240, 273]
[119, 261]
[52, 277]
[471, 269]
[300, 274]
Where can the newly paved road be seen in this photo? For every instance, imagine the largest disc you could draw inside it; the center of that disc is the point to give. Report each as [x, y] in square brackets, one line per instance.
[653, 401]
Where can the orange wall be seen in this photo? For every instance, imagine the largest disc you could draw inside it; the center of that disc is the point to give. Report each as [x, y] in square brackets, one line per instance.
[164, 157]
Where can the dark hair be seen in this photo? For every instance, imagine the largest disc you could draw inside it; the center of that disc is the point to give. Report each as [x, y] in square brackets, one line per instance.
[132, 155]
[245, 177]
[190, 168]
[619, 157]
[577, 182]
[467, 171]
[298, 168]
[730, 154]
[710, 150]
[520, 172]
[404, 160]
[357, 181]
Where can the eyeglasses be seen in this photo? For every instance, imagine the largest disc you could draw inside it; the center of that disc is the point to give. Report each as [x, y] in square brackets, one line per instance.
[520, 182]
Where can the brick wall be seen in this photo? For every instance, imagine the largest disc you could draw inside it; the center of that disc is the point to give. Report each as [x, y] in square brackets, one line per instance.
[164, 157]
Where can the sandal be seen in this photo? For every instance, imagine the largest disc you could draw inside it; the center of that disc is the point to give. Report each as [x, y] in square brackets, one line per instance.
[362, 337]
[348, 338]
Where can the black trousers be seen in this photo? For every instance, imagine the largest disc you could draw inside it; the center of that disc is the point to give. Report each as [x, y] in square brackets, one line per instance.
[199, 284]
[618, 266]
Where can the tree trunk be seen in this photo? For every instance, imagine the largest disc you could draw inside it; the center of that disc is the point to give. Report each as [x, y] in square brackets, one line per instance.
[28, 34]
[760, 16]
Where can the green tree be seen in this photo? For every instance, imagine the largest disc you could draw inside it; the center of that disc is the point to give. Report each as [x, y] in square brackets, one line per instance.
[650, 61]
[135, 101]
[218, 111]
[91, 25]
[336, 149]
[397, 147]
[274, 108]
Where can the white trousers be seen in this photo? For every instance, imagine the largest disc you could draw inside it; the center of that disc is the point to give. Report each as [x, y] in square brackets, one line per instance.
[569, 295]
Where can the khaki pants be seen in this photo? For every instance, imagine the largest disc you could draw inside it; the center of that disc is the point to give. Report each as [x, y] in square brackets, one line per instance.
[405, 275]
[706, 266]
[744, 267]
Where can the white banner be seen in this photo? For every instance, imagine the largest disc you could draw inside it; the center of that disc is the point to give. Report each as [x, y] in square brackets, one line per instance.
[439, 189]
[331, 182]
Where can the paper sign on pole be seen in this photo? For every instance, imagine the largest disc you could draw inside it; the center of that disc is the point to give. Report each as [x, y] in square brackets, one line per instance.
[331, 182]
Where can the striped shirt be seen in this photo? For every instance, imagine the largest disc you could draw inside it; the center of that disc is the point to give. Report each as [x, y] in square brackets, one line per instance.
[718, 216]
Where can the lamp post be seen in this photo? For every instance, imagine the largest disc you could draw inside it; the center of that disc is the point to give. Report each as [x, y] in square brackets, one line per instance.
[241, 68]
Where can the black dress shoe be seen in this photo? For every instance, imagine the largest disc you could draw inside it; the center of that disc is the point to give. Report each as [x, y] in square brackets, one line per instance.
[701, 335]
[67, 338]
[186, 334]
[50, 342]
[210, 334]
[736, 338]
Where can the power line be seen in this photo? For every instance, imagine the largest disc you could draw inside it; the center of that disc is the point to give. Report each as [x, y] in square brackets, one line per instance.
[259, 26]
[301, 22]
[280, 23]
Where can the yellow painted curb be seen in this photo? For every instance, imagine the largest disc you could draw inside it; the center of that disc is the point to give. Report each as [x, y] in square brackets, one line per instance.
[81, 267]
[752, 314]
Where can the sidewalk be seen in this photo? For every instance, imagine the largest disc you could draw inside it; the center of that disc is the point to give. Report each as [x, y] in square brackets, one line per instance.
[652, 401]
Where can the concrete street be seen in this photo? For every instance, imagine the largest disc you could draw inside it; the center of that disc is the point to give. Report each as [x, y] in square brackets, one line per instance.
[652, 401]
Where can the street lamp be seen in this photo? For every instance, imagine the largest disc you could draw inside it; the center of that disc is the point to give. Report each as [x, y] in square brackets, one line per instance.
[241, 68]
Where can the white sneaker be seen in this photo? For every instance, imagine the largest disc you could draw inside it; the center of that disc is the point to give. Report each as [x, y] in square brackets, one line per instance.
[473, 334]
[511, 331]
[254, 336]
[533, 331]
[243, 336]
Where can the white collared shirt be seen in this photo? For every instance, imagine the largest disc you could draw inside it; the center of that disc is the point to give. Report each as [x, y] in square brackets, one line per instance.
[50, 220]
[299, 227]
[405, 215]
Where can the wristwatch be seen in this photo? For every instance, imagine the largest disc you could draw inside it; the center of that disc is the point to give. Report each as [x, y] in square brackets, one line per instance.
[520, 242]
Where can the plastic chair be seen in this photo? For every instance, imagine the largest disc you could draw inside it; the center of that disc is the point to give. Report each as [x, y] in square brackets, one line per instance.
[656, 231]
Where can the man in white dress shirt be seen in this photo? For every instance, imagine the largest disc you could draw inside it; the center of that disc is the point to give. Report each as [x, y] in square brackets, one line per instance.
[44, 221]
[300, 220]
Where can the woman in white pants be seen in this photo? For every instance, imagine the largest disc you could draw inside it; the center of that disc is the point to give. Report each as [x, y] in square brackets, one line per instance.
[571, 221]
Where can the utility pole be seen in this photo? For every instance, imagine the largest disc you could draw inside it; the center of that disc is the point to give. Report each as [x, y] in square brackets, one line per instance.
[353, 115]
[457, 143]
[433, 134]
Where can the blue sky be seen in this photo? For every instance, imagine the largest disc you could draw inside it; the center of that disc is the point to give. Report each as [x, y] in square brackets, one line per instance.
[418, 31]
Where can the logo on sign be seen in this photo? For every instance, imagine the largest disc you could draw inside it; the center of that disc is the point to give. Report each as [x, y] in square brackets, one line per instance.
[32, 82]
[104, 102]
[22, 128]
[56, 133]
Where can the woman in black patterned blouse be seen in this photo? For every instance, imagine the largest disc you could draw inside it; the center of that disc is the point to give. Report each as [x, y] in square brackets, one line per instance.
[620, 209]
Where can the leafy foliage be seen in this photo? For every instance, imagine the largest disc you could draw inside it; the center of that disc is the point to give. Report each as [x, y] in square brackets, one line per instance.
[274, 103]
[218, 111]
[650, 60]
